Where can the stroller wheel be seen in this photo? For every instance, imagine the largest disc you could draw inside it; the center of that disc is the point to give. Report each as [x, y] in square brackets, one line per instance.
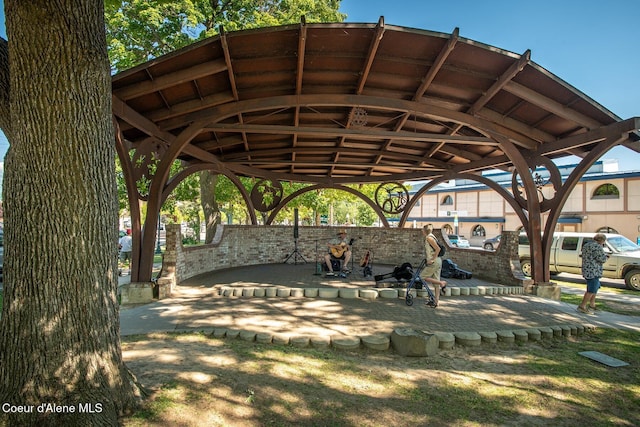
[409, 299]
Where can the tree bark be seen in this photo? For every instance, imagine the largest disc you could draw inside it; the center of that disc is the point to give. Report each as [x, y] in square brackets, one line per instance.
[210, 208]
[4, 87]
[59, 332]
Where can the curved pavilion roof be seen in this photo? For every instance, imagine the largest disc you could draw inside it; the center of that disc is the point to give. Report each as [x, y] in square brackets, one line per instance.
[347, 103]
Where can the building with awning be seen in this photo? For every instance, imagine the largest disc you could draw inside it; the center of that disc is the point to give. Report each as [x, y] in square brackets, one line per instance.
[604, 200]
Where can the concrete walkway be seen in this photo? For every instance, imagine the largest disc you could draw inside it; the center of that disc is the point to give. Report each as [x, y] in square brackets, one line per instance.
[198, 305]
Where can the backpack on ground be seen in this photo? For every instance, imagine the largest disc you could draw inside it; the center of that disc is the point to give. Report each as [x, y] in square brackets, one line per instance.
[451, 270]
[403, 272]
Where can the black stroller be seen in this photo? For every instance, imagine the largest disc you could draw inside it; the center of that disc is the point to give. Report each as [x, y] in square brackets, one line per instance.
[417, 282]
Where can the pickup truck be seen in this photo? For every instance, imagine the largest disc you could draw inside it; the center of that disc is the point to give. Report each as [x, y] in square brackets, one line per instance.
[566, 256]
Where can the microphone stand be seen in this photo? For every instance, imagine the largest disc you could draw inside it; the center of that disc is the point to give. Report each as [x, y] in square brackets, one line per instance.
[295, 254]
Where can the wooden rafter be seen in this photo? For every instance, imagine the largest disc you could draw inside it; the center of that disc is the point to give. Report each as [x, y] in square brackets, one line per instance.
[302, 42]
[426, 82]
[371, 54]
[232, 79]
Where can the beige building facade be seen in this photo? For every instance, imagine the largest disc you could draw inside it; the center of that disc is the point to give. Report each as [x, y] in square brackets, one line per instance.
[604, 200]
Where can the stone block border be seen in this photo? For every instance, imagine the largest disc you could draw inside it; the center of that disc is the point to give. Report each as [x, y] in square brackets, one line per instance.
[390, 342]
[385, 341]
[364, 293]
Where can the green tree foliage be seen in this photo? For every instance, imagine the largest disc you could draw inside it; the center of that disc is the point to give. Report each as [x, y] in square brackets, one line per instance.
[139, 30]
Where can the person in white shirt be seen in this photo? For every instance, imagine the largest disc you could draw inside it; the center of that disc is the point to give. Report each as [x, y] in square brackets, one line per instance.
[125, 244]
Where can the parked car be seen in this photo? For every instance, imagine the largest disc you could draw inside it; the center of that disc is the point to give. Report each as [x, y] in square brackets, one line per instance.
[566, 256]
[492, 243]
[458, 241]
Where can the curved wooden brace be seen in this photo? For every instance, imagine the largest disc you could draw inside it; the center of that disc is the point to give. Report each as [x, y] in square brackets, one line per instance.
[572, 180]
[154, 202]
[479, 178]
[132, 196]
[356, 193]
[190, 170]
[540, 265]
[554, 178]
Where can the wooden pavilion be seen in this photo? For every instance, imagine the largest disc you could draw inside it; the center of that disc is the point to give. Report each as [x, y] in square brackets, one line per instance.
[335, 104]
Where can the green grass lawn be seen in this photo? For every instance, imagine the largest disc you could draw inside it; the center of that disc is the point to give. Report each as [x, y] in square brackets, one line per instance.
[200, 380]
[582, 287]
[603, 304]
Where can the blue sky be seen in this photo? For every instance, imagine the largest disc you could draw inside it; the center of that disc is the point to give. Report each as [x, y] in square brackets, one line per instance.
[591, 44]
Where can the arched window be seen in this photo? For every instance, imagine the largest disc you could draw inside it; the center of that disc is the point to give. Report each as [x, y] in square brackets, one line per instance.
[607, 230]
[606, 191]
[447, 200]
[478, 231]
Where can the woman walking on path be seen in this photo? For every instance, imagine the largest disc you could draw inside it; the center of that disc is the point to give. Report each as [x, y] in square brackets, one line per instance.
[593, 257]
[431, 273]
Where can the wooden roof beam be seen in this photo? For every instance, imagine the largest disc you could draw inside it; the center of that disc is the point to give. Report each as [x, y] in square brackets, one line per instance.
[227, 60]
[324, 151]
[505, 78]
[162, 82]
[373, 48]
[328, 163]
[232, 78]
[496, 87]
[428, 78]
[189, 107]
[128, 114]
[484, 164]
[358, 134]
[550, 105]
[160, 94]
[595, 135]
[431, 111]
[460, 153]
[302, 48]
[438, 64]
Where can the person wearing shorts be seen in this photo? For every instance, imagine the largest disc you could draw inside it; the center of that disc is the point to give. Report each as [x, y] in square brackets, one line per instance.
[433, 268]
[341, 244]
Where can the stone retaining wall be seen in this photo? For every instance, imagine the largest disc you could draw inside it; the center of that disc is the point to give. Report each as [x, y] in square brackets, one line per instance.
[239, 245]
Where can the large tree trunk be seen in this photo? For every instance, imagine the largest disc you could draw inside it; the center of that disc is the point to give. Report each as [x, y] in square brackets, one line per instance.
[208, 181]
[59, 332]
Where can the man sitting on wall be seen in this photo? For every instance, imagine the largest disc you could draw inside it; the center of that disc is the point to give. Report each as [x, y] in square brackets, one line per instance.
[339, 249]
